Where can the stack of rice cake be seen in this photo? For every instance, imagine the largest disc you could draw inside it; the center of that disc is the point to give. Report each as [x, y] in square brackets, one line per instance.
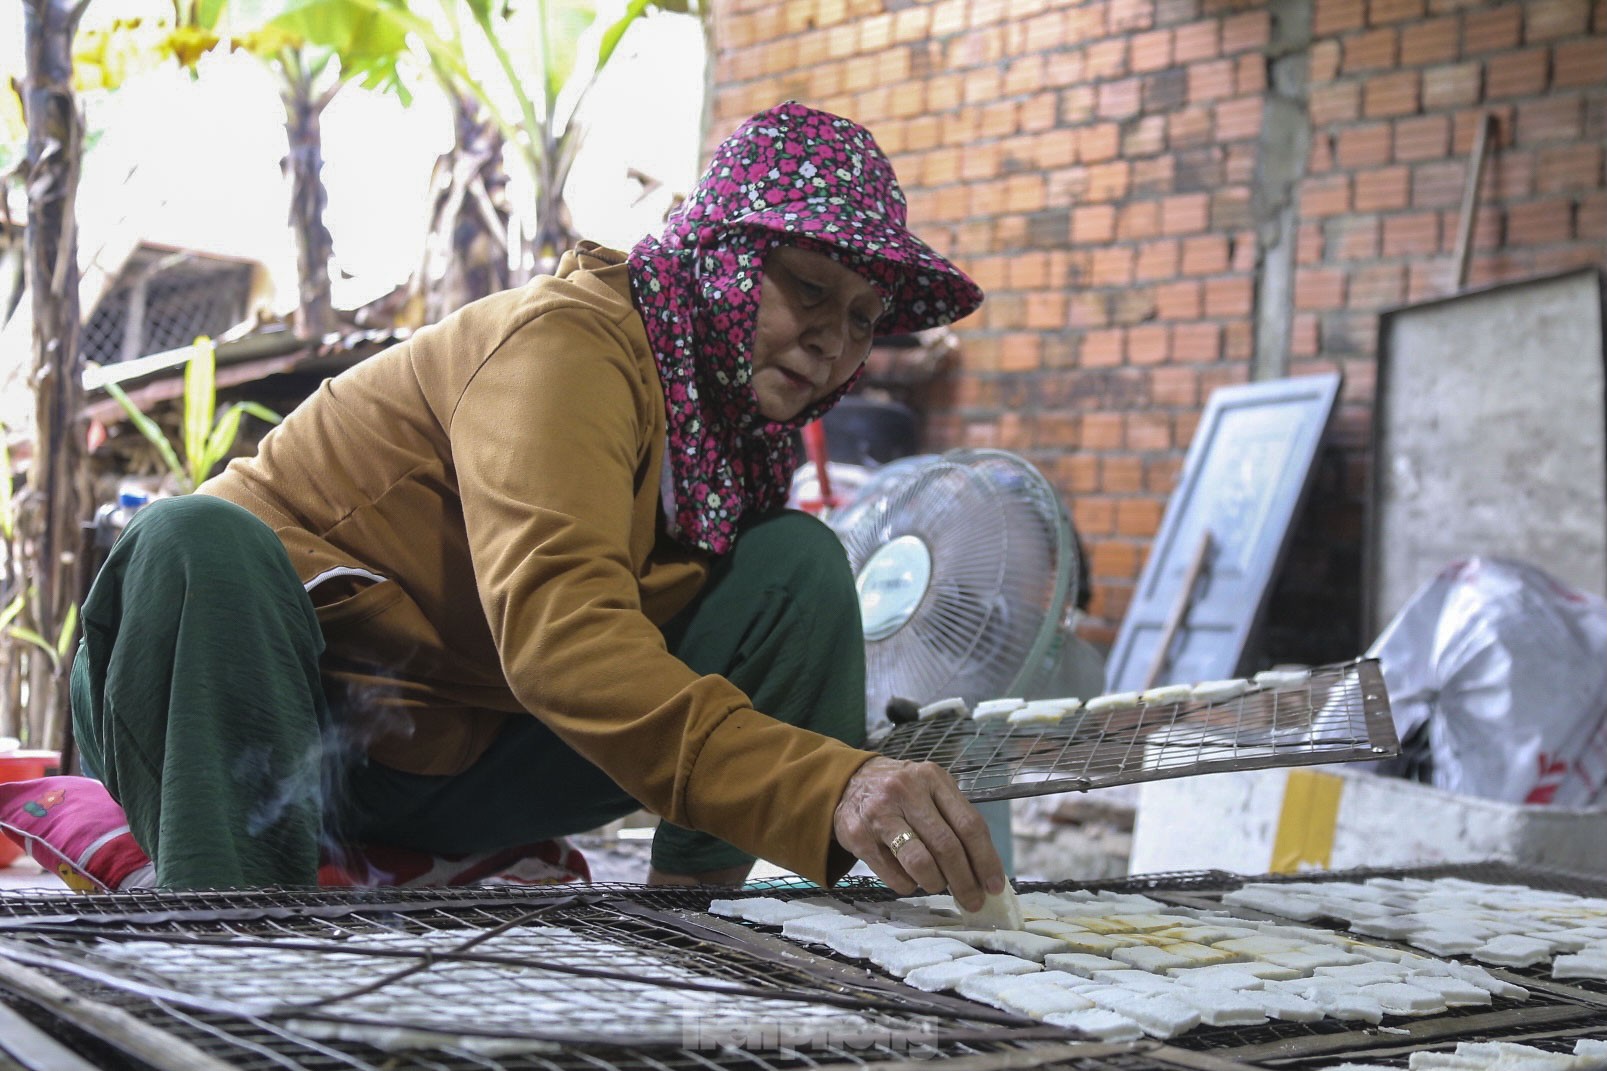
[1119, 966]
[1502, 925]
[1587, 1055]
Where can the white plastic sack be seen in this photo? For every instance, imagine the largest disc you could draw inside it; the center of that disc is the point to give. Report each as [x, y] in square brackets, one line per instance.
[1508, 667]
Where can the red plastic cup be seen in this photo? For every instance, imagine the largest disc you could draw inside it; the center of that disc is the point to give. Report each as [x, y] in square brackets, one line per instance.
[23, 766]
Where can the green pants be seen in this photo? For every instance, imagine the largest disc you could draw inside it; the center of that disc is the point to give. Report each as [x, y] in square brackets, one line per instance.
[197, 700]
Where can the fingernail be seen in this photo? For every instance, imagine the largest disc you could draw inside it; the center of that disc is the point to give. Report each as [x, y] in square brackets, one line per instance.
[995, 886]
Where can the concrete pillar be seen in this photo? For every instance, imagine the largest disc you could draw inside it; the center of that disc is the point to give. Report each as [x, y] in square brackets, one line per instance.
[1280, 165]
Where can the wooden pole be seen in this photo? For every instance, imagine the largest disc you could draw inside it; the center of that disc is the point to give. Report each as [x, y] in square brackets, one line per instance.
[1470, 199]
[1180, 609]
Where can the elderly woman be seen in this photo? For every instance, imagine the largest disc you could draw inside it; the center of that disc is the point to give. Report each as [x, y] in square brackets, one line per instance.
[529, 570]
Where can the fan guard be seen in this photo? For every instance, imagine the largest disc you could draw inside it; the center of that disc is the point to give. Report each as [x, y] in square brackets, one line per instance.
[963, 563]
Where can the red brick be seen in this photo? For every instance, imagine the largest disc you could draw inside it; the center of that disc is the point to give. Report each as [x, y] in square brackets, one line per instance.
[1239, 119]
[1107, 58]
[1226, 297]
[1303, 338]
[1414, 234]
[1187, 213]
[1178, 300]
[1024, 75]
[1547, 20]
[1366, 145]
[1169, 387]
[1374, 50]
[1319, 288]
[1352, 238]
[1425, 138]
[1250, 74]
[1335, 103]
[1093, 223]
[1101, 349]
[1456, 86]
[1206, 254]
[1580, 63]
[1146, 137]
[1569, 169]
[1156, 260]
[1151, 51]
[1087, 309]
[1128, 15]
[1434, 41]
[1322, 64]
[1121, 475]
[1383, 189]
[1592, 218]
[1189, 128]
[1119, 100]
[1325, 196]
[1332, 17]
[1391, 94]
[1382, 12]
[1197, 41]
[1210, 81]
[1556, 118]
[1145, 431]
[1377, 286]
[1196, 342]
[1138, 220]
[1112, 266]
[1046, 311]
[1540, 222]
[1517, 74]
[1149, 344]
[1308, 244]
[1109, 181]
[1494, 30]
[1249, 30]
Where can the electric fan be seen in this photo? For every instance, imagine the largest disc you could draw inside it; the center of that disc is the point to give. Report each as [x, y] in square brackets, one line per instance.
[966, 566]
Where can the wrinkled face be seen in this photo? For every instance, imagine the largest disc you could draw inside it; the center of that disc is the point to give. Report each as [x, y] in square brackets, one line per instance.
[816, 318]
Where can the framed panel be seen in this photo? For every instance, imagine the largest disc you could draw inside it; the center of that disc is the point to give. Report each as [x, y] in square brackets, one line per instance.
[1490, 437]
[1245, 477]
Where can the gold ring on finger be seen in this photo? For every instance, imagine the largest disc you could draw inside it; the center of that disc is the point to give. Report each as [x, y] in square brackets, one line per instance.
[899, 841]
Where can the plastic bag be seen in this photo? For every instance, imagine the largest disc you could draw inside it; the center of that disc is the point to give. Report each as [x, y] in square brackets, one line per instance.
[1507, 668]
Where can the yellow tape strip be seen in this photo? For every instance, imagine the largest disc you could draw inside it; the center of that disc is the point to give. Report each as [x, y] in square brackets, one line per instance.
[1305, 835]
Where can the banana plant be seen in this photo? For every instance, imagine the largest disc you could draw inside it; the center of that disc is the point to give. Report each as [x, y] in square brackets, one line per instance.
[207, 436]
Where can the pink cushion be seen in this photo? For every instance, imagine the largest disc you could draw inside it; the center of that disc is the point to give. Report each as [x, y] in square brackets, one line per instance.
[73, 828]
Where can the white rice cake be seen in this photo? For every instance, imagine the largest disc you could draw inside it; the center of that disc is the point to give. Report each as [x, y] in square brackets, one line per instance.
[1033, 946]
[1337, 999]
[999, 911]
[1134, 980]
[1282, 678]
[1223, 1007]
[1261, 946]
[1206, 934]
[1080, 963]
[816, 928]
[1101, 1024]
[1310, 957]
[1403, 998]
[996, 708]
[1511, 950]
[1219, 691]
[1157, 1014]
[1166, 695]
[953, 705]
[1150, 958]
[906, 956]
[1217, 976]
[1497, 987]
[1096, 944]
[1289, 1007]
[1454, 991]
[1104, 704]
[947, 975]
[1037, 713]
[763, 910]
[1052, 927]
[1144, 922]
[1581, 965]
[1452, 942]
[1034, 997]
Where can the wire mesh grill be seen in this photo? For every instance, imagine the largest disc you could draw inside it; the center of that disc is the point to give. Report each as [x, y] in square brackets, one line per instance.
[588, 981]
[1339, 714]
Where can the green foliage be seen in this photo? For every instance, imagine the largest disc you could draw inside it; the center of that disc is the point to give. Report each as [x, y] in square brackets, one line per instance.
[57, 651]
[207, 436]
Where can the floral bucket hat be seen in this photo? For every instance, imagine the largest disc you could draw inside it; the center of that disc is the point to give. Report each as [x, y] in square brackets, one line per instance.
[798, 171]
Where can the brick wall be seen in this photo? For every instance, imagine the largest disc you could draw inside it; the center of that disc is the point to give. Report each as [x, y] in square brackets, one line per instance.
[1101, 168]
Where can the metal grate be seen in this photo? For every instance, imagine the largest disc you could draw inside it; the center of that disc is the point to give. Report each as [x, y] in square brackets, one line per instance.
[589, 982]
[174, 298]
[1340, 714]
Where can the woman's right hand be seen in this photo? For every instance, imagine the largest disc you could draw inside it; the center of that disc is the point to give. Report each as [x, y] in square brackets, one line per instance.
[910, 824]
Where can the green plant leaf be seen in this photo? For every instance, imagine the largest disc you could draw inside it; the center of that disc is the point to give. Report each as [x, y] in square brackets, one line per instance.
[615, 32]
[153, 434]
[8, 505]
[69, 625]
[13, 608]
[28, 635]
[200, 402]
